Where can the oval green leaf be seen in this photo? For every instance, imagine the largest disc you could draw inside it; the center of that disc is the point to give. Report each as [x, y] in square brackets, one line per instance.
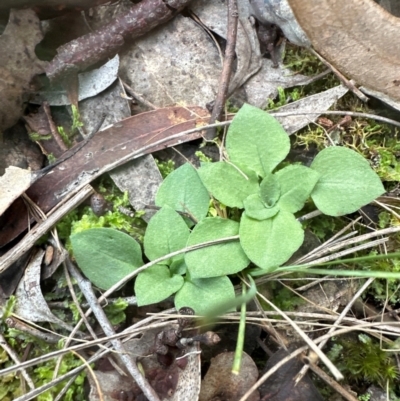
[202, 295]
[156, 284]
[257, 140]
[183, 191]
[270, 243]
[347, 181]
[166, 232]
[215, 260]
[270, 190]
[106, 255]
[228, 183]
[256, 209]
[297, 183]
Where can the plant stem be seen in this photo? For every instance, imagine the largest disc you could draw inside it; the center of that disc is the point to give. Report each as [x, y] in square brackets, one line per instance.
[241, 334]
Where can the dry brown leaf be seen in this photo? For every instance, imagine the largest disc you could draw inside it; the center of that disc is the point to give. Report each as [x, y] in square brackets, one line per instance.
[126, 140]
[358, 37]
[18, 63]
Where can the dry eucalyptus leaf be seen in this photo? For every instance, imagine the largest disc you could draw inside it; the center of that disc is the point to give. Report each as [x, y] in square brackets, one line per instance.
[30, 303]
[257, 74]
[214, 15]
[278, 12]
[12, 184]
[319, 101]
[90, 84]
[221, 384]
[359, 38]
[264, 85]
[176, 63]
[18, 63]
[140, 177]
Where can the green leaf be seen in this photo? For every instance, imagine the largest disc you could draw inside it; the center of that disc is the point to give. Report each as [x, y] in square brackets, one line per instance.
[156, 284]
[257, 140]
[215, 260]
[270, 243]
[178, 266]
[166, 232]
[106, 255]
[297, 183]
[203, 294]
[270, 190]
[183, 191]
[346, 181]
[256, 209]
[228, 183]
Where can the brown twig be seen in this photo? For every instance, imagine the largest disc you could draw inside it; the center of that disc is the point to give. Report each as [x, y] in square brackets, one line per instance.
[138, 97]
[233, 17]
[333, 383]
[348, 83]
[17, 324]
[105, 42]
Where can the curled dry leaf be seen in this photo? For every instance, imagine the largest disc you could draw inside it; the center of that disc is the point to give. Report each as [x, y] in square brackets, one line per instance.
[130, 138]
[18, 63]
[30, 303]
[359, 38]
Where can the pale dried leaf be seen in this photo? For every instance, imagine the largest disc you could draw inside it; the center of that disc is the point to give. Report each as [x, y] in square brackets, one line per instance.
[176, 63]
[320, 101]
[12, 184]
[30, 303]
[18, 63]
[90, 84]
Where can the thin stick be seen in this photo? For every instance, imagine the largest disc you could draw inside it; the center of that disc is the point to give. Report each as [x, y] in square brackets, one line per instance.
[11, 353]
[303, 371]
[233, 17]
[307, 340]
[86, 288]
[138, 97]
[336, 113]
[348, 83]
[335, 385]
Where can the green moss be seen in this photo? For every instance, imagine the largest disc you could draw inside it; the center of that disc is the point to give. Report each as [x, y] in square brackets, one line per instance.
[116, 311]
[83, 218]
[51, 158]
[76, 119]
[301, 61]
[362, 360]
[8, 309]
[34, 136]
[64, 136]
[12, 387]
[202, 157]
[165, 167]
